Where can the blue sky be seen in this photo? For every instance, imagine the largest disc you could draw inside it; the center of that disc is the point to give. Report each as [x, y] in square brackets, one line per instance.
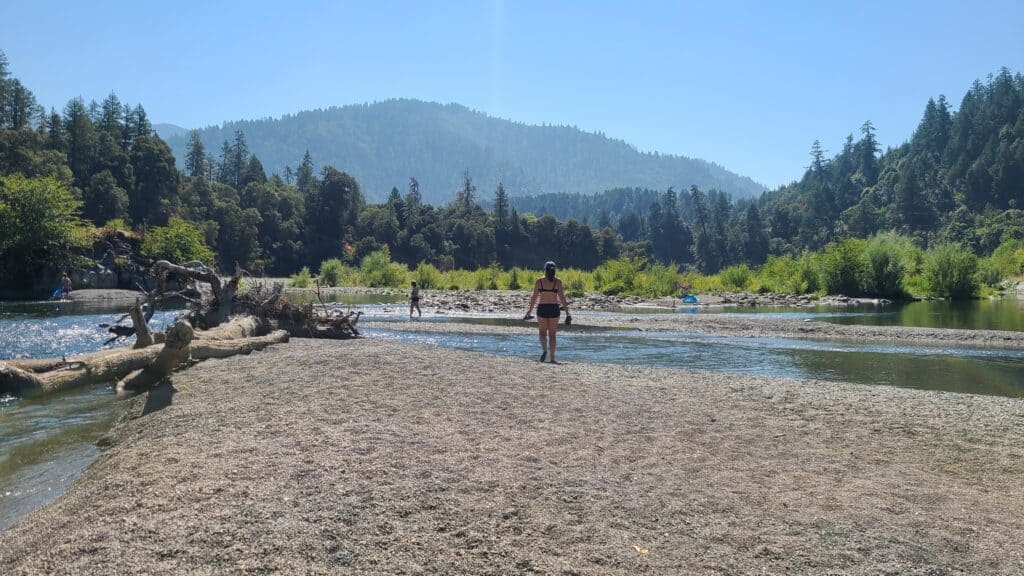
[748, 85]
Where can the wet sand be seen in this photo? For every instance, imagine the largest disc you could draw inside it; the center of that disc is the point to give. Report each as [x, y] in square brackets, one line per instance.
[369, 457]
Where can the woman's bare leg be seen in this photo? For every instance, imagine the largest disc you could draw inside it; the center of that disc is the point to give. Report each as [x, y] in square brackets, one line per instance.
[552, 331]
[542, 325]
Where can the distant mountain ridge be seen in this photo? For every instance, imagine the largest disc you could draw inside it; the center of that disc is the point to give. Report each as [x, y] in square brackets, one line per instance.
[385, 143]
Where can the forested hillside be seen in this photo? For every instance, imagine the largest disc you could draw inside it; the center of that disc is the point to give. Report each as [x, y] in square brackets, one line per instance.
[960, 178]
[385, 143]
[67, 178]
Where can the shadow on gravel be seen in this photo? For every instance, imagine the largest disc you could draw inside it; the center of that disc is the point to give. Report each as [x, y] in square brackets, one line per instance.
[159, 397]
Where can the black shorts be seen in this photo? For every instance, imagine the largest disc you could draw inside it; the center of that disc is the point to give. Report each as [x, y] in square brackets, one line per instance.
[548, 311]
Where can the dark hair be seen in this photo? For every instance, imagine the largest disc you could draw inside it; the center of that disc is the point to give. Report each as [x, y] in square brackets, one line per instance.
[549, 270]
[413, 282]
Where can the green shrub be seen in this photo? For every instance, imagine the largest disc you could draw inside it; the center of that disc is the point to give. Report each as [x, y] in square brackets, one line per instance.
[657, 280]
[302, 278]
[427, 276]
[700, 283]
[617, 276]
[377, 270]
[949, 272]
[117, 224]
[513, 279]
[736, 277]
[883, 267]
[576, 281]
[807, 277]
[575, 287]
[180, 242]
[843, 266]
[613, 288]
[1008, 258]
[989, 273]
[486, 278]
[334, 273]
[776, 273]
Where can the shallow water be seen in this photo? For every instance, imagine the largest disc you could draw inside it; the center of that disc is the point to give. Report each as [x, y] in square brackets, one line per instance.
[45, 443]
[994, 372]
[997, 314]
[1001, 314]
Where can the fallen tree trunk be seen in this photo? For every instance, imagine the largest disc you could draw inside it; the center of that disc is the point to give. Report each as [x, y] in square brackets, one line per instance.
[136, 369]
[173, 353]
[204, 349]
[93, 370]
[238, 327]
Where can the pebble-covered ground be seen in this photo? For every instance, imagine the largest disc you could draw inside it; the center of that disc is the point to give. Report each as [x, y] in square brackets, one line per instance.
[369, 457]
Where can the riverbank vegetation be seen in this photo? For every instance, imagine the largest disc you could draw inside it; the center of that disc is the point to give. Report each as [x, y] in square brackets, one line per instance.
[939, 215]
[883, 266]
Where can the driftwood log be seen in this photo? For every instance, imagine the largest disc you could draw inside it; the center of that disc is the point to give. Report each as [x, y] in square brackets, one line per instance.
[134, 368]
[220, 323]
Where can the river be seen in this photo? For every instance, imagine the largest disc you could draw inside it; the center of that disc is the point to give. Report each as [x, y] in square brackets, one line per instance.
[46, 443]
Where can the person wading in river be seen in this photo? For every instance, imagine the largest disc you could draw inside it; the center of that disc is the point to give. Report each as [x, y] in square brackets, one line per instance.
[414, 301]
[550, 292]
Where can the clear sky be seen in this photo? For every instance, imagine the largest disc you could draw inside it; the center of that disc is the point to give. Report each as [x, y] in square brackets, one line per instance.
[748, 85]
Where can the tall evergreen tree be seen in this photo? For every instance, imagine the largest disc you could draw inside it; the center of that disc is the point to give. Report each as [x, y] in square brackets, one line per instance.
[4, 73]
[111, 116]
[224, 164]
[465, 197]
[81, 140]
[195, 156]
[501, 208]
[305, 180]
[157, 181]
[140, 122]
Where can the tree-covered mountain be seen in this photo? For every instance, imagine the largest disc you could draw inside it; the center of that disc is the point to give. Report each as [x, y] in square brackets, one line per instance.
[384, 144]
[170, 131]
[960, 178]
[956, 186]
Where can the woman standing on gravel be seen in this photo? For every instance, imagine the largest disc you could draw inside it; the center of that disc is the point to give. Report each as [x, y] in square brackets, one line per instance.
[549, 290]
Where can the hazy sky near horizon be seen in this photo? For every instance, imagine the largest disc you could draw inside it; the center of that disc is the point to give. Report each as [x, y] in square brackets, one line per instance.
[749, 85]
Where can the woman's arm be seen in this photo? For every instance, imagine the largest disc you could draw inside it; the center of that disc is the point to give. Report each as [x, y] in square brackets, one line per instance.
[561, 296]
[533, 298]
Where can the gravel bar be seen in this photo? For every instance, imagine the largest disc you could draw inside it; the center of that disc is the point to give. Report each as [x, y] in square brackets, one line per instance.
[370, 457]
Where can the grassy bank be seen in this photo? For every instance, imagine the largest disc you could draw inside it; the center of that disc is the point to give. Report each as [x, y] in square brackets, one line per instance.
[887, 266]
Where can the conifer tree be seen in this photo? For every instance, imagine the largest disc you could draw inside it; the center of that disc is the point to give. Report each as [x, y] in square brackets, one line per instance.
[195, 156]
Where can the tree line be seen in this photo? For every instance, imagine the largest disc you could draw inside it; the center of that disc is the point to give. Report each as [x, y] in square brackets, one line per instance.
[960, 179]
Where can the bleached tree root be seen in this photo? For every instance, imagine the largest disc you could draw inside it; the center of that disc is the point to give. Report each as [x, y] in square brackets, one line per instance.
[238, 327]
[204, 349]
[173, 353]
